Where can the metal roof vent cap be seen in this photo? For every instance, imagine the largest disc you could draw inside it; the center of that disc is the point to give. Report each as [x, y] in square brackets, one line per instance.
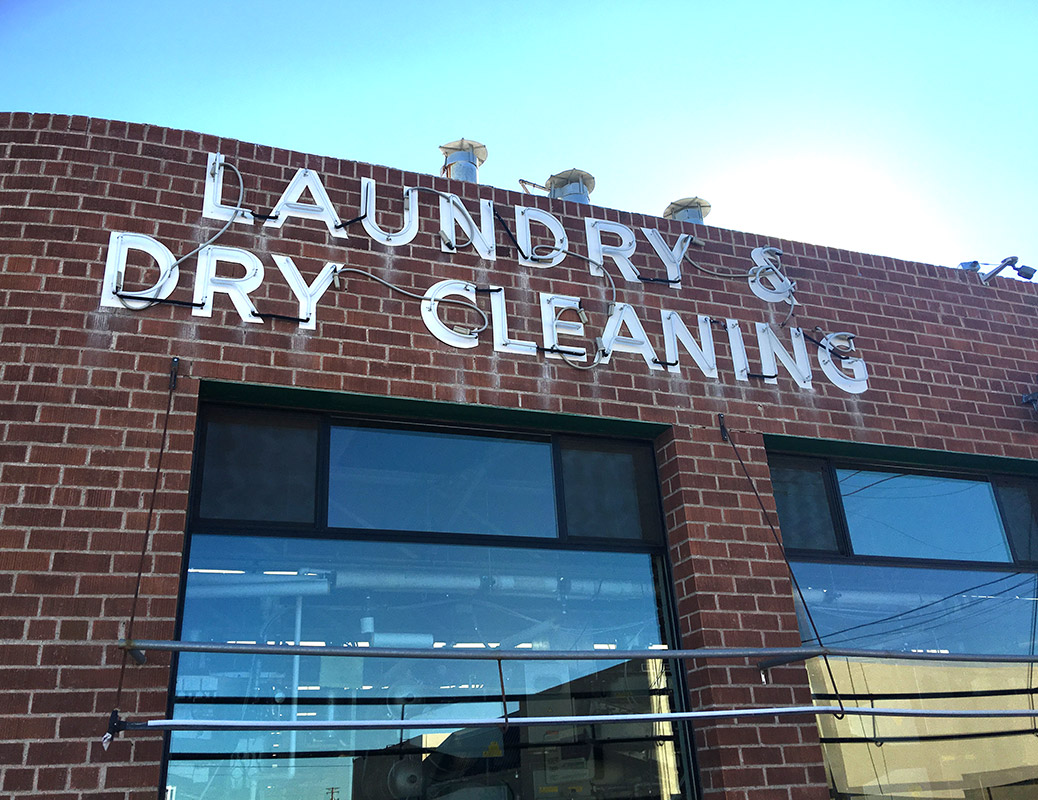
[574, 185]
[688, 209]
[462, 160]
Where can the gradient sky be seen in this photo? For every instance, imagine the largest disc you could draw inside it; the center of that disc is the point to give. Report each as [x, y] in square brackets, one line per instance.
[905, 128]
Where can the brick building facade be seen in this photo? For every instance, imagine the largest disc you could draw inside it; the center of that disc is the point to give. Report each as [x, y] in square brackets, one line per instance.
[86, 385]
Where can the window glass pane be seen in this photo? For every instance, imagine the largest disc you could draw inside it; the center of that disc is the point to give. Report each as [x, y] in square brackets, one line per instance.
[405, 480]
[913, 608]
[918, 609]
[921, 516]
[258, 466]
[804, 514]
[1017, 499]
[927, 757]
[610, 490]
[456, 597]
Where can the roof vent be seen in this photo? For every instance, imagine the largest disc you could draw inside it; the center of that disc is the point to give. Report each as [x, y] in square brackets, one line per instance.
[688, 209]
[574, 185]
[462, 160]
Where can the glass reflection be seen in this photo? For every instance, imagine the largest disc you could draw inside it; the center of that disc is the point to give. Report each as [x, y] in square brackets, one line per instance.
[913, 608]
[610, 490]
[364, 594]
[406, 480]
[921, 516]
[802, 502]
[928, 757]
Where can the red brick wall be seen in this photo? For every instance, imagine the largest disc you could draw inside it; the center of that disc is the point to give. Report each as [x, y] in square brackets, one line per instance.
[84, 393]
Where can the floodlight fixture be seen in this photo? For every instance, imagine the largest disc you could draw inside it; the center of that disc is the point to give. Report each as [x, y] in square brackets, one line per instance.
[1006, 262]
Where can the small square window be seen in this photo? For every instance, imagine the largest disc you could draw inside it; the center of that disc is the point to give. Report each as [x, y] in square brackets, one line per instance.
[803, 504]
[258, 466]
[1018, 499]
[610, 490]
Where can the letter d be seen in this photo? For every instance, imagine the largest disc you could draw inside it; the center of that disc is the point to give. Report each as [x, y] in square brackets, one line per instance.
[113, 295]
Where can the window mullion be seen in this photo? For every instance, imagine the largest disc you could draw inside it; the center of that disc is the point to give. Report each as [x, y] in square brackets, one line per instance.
[323, 469]
[836, 509]
[560, 489]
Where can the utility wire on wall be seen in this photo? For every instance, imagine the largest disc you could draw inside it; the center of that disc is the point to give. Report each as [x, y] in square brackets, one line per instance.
[726, 436]
[174, 368]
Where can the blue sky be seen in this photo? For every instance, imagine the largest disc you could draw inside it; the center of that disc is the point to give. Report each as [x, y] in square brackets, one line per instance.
[903, 128]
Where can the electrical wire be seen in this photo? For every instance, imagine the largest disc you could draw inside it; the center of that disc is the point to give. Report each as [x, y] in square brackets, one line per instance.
[874, 739]
[727, 436]
[237, 211]
[455, 201]
[586, 367]
[922, 607]
[173, 371]
[930, 622]
[751, 273]
[445, 300]
[600, 351]
[842, 353]
[588, 259]
[725, 275]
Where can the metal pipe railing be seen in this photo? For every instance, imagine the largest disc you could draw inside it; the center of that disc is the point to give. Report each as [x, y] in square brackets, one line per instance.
[587, 719]
[773, 655]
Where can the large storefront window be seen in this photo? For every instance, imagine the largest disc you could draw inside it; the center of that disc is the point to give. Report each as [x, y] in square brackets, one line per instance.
[915, 561]
[319, 532]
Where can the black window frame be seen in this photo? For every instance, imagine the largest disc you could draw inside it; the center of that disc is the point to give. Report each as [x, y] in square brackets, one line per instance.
[320, 528]
[659, 550]
[845, 553]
